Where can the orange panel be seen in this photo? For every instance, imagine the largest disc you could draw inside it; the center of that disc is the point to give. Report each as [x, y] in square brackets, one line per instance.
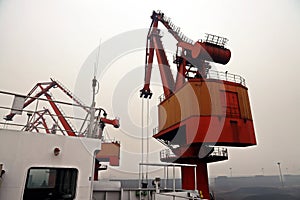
[109, 152]
[220, 132]
[204, 98]
[211, 130]
[109, 149]
[244, 103]
[211, 111]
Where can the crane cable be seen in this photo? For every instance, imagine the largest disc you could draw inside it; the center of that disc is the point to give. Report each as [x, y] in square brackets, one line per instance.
[142, 141]
[147, 138]
[147, 117]
[147, 153]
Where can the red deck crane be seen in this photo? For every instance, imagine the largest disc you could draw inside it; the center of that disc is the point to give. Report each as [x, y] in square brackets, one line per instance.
[44, 90]
[201, 108]
[101, 120]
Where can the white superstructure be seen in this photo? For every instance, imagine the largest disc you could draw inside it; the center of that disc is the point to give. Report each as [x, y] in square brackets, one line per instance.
[22, 151]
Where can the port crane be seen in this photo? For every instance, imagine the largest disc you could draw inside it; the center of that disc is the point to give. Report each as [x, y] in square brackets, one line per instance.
[201, 110]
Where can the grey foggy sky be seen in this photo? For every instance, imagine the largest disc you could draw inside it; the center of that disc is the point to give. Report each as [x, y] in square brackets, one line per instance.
[49, 38]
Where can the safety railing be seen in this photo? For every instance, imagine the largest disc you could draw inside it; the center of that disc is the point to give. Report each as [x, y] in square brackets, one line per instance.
[217, 75]
[225, 76]
[167, 153]
[166, 167]
[214, 39]
[155, 131]
[218, 151]
[176, 196]
[33, 117]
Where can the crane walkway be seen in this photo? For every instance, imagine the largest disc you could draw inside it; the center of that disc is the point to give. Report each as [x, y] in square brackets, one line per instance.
[172, 28]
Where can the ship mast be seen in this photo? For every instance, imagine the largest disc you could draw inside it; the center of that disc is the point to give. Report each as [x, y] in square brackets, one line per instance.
[91, 130]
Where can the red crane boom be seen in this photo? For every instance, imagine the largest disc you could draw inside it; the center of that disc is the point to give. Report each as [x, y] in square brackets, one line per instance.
[190, 56]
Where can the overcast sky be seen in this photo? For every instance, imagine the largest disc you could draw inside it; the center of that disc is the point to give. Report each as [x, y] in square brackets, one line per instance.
[40, 39]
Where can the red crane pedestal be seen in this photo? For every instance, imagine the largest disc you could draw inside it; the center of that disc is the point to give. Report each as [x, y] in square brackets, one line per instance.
[199, 155]
[202, 178]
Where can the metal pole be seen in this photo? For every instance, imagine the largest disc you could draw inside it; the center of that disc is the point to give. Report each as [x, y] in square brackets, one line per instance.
[195, 177]
[92, 110]
[140, 192]
[139, 176]
[173, 178]
[281, 179]
[165, 177]
[92, 176]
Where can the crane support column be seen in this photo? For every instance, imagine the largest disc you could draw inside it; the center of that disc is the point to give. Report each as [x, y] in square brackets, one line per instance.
[202, 178]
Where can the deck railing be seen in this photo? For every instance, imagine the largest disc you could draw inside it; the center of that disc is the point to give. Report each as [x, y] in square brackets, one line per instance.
[31, 118]
[225, 76]
[218, 151]
[217, 75]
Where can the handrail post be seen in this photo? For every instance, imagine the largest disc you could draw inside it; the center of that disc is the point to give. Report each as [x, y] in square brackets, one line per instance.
[139, 176]
[195, 177]
[173, 178]
[165, 177]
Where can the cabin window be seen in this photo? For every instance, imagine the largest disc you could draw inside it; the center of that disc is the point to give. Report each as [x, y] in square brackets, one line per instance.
[50, 183]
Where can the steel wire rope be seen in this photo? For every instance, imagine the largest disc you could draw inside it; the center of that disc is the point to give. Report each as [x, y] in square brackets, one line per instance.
[142, 141]
[147, 153]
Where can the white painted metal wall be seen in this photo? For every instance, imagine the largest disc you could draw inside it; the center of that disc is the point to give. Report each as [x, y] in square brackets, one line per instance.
[20, 151]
